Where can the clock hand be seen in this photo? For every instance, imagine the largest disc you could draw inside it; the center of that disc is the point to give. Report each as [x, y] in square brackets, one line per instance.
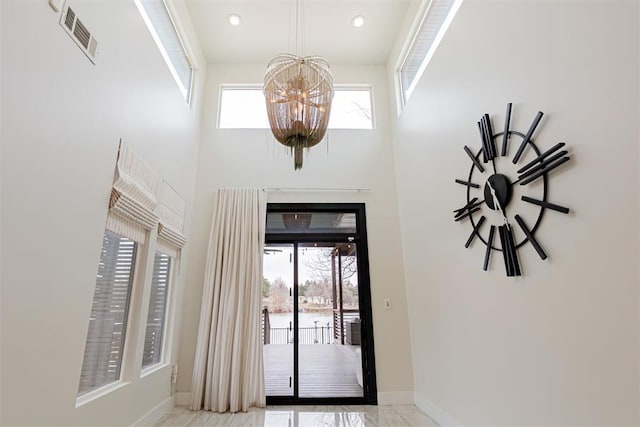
[496, 202]
[511, 263]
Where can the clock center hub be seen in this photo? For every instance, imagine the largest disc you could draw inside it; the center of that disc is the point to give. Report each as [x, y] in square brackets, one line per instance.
[502, 186]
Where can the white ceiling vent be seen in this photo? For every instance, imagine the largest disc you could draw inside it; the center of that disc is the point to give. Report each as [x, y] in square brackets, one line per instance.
[79, 33]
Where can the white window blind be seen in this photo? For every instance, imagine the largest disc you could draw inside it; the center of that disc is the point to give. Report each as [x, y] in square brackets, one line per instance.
[154, 336]
[166, 36]
[435, 22]
[108, 320]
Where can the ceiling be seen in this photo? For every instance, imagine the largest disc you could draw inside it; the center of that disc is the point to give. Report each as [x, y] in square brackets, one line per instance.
[316, 222]
[268, 28]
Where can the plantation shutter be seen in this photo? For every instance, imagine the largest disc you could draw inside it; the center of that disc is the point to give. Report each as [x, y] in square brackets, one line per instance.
[133, 197]
[108, 319]
[171, 212]
[154, 335]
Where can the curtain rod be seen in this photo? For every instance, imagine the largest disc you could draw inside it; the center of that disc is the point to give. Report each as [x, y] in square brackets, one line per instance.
[291, 189]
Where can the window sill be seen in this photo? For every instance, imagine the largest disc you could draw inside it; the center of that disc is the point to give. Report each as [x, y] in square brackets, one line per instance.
[152, 369]
[98, 393]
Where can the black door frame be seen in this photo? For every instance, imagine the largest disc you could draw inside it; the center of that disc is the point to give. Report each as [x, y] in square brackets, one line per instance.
[370, 391]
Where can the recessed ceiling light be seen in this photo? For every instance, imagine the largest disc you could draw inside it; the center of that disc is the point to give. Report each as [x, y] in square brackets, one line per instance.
[357, 21]
[234, 19]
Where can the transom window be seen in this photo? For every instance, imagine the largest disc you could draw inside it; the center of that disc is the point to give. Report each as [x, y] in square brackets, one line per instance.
[426, 38]
[164, 32]
[243, 107]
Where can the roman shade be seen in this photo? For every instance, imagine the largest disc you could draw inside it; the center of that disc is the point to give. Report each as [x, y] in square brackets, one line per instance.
[132, 203]
[171, 212]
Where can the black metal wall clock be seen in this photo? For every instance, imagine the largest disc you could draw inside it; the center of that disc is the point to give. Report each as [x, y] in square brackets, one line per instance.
[509, 194]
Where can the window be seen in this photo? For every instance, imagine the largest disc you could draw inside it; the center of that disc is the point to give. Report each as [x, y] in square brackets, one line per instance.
[162, 28]
[351, 109]
[244, 108]
[426, 39]
[108, 321]
[153, 339]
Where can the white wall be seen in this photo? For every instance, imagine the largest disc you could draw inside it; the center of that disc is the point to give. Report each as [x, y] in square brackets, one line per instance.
[62, 118]
[558, 346]
[355, 159]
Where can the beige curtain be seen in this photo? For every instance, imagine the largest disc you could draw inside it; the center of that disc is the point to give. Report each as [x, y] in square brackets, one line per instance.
[228, 373]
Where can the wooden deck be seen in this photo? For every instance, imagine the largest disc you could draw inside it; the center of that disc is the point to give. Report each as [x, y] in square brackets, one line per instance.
[327, 370]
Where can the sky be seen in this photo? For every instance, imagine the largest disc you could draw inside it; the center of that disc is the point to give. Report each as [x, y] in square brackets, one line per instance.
[280, 264]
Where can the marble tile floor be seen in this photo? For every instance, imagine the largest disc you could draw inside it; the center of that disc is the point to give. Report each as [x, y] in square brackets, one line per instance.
[304, 416]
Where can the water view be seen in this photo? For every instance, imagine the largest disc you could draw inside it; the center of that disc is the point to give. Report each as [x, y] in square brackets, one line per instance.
[305, 320]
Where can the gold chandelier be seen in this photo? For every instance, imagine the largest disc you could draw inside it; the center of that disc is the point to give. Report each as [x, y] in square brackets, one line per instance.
[298, 92]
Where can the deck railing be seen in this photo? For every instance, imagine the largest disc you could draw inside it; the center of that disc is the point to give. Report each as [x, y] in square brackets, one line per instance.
[339, 320]
[312, 335]
[266, 326]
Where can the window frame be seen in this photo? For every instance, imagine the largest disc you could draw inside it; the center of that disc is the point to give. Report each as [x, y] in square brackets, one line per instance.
[360, 87]
[129, 322]
[167, 319]
[258, 87]
[187, 92]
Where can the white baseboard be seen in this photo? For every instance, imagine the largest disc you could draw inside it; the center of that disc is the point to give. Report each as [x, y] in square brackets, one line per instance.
[395, 398]
[438, 415]
[183, 398]
[156, 414]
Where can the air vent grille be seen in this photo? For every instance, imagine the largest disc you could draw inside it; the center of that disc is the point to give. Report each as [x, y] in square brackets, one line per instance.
[79, 33]
[82, 34]
[69, 18]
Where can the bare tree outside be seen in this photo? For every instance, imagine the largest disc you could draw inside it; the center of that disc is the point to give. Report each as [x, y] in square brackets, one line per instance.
[278, 299]
[319, 291]
[315, 295]
[320, 265]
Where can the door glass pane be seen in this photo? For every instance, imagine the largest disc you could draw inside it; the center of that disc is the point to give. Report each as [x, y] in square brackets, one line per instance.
[277, 319]
[316, 222]
[329, 355]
